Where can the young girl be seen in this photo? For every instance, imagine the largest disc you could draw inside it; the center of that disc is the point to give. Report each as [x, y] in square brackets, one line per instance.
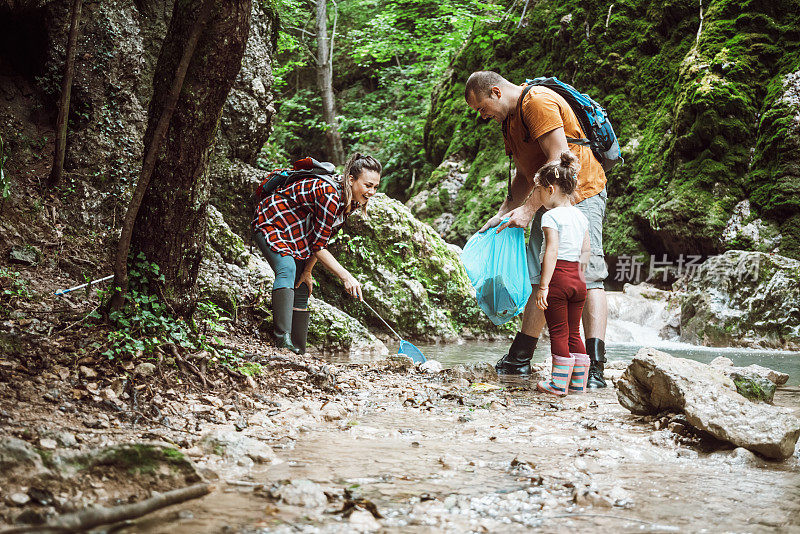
[293, 242]
[562, 289]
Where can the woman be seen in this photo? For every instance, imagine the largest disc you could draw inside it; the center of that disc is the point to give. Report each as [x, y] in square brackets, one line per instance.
[292, 228]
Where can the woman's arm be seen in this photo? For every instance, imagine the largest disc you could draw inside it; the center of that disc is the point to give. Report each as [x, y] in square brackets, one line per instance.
[352, 285]
[305, 276]
[548, 265]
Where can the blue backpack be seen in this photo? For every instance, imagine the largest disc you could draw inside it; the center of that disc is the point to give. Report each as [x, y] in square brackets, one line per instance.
[592, 117]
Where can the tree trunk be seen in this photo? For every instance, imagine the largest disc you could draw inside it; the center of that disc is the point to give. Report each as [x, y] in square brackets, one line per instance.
[170, 228]
[66, 90]
[325, 84]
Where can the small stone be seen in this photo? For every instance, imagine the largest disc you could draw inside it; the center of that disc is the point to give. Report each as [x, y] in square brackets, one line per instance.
[332, 411]
[88, 372]
[363, 521]
[144, 369]
[52, 395]
[66, 439]
[303, 493]
[108, 394]
[48, 444]
[431, 367]
[18, 499]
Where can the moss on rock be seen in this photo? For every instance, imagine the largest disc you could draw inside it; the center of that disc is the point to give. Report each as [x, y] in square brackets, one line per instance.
[410, 275]
[704, 120]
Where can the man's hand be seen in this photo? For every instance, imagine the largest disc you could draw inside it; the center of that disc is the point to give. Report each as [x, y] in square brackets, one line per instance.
[519, 217]
[491, 223]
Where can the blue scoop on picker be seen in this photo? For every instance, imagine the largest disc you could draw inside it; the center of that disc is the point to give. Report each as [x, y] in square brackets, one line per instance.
[406, 348]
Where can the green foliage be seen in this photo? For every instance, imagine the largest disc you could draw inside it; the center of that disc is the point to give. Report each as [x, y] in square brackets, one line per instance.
[13, 288]
[145, 323]
[387, 57]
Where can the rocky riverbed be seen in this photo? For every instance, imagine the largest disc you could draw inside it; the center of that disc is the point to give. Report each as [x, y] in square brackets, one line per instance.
[386, 446]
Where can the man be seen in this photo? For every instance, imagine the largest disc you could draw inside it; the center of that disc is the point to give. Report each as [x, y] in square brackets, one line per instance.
[548, 121]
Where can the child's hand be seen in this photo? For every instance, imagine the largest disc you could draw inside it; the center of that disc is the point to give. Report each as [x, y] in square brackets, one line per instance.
[541, 298]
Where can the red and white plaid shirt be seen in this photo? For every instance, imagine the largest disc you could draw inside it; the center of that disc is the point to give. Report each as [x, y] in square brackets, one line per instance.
[282, 216]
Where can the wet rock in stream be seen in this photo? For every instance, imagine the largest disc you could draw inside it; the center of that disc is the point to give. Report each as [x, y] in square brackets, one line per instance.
[656, 381]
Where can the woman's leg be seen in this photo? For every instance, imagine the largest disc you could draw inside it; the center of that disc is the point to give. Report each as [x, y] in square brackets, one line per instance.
[282, 293]
[300, 314]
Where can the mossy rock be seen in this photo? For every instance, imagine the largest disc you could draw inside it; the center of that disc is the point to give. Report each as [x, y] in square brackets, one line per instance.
[410, 276]
[704, 122]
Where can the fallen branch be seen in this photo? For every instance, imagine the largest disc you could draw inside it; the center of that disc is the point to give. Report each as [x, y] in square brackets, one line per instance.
[95, 517]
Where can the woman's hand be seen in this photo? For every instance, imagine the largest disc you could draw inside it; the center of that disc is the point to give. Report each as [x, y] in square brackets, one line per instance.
[352, 286]
[541, 298]
[305, 278]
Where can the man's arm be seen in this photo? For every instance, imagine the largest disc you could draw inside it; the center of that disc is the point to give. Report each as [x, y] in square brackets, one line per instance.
[553, 143]
[520, 189]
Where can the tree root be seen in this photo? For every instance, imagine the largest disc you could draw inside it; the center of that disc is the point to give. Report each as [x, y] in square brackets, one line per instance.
[94, 517]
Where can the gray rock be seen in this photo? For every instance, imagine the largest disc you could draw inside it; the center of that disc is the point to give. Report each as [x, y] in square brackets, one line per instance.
[144, 369]
[409, 275]
[233, 445]
[479, 371]
[17, 454]
[656, 382]
[742, 299]
[48, 444]
[431, 367]
[753, 386]
[18, 499]
[776, 377]
[25, 255]
[303, 493]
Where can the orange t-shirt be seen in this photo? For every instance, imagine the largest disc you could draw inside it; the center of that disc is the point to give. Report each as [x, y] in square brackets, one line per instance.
[545, 111]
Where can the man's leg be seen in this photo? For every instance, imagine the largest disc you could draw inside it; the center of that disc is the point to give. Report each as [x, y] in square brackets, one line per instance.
[518, 359]
[595, 311]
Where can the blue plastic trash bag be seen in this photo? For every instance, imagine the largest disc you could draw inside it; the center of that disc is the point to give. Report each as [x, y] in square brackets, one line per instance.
[497, 266]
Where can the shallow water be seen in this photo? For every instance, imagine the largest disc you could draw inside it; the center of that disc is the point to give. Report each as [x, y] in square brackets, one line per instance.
[484, 351]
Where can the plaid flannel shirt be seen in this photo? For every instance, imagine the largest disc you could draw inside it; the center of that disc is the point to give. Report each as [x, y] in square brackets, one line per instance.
[282, 217]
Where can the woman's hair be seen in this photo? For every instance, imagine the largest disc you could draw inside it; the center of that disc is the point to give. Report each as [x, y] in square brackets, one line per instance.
[355, 165]
[563, 173]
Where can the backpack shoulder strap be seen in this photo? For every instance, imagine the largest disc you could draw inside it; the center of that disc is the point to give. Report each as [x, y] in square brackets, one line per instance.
[525, 90]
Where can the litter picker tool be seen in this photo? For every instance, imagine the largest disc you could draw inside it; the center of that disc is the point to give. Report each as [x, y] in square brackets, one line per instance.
[406, 348]
[91, 282]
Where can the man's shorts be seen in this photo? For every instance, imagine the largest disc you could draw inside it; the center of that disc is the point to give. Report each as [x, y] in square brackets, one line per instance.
[595, 210]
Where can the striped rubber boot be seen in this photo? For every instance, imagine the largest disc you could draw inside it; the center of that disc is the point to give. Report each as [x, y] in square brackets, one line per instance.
[580, 372]
[559, 376]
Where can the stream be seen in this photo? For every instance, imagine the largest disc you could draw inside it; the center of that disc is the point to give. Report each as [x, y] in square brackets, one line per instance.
[439, 456]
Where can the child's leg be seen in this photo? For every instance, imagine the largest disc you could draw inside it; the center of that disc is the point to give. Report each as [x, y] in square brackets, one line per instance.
[556, 315]
[557, 320]
[580, 369]
[574, 311]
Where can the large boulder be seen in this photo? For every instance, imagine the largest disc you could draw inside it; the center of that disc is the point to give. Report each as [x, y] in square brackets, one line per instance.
[410, 276]
[656, 382]
[742, 299]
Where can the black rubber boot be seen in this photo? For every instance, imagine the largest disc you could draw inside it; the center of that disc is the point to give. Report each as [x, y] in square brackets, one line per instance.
[300, 329]
[282, 301]
[518, 359]
[596, 349]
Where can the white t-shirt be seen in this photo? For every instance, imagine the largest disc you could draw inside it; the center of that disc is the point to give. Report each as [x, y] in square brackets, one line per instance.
[571, 225]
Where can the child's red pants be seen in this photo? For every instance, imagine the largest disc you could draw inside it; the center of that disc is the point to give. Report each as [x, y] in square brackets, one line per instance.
[564, 307]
